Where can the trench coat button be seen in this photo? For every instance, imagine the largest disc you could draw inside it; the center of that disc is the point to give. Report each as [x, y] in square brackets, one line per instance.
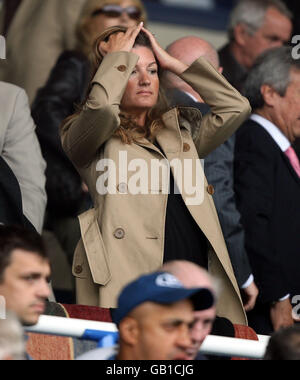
[119, 233]
[122, 188]
[122, 68]
[78, 269]
[210, 190]
[186, 147]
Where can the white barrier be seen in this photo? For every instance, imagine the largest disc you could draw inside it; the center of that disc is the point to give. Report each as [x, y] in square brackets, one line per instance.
[213, 345]
[68, 327]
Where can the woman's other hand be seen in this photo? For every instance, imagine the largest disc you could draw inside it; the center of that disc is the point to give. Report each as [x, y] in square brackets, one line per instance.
[167, 62]
[121, 41]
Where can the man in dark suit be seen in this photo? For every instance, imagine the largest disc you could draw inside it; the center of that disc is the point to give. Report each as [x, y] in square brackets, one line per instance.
[10, 198]
[267, 183]
[218, 165]
[255, 26]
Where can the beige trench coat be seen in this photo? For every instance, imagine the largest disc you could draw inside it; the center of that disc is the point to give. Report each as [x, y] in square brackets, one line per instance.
[123, 237]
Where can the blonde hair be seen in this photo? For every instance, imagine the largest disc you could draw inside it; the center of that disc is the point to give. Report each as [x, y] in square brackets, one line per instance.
[84, 39]
[129, 132]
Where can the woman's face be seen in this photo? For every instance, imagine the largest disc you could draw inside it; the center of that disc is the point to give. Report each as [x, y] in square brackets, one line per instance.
[100, 22]
[142, 90]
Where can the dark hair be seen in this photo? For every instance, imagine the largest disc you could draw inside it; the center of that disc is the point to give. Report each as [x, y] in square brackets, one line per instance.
[284, 345]
[12, 238]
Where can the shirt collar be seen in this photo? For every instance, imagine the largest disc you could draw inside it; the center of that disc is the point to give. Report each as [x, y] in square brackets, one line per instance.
[280, 139]
[192, 97]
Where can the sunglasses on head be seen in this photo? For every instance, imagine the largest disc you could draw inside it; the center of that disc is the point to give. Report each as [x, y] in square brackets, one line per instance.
[115, 11]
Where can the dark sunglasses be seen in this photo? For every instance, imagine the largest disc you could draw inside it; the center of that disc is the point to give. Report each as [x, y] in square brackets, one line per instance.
[115, 11]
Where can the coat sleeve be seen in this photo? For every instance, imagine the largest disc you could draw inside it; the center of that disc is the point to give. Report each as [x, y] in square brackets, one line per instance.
[229, 109]
[254, 185]
[83, 136]
[23, 154]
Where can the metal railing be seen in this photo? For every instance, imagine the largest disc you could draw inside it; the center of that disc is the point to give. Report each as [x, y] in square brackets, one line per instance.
[107, 333]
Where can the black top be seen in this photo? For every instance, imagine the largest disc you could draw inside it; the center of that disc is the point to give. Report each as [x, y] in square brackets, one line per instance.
[184, 240]
[11, 209]
[235, 73]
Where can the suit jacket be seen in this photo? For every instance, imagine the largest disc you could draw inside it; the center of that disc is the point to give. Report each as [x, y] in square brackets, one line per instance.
[219, 173]
[38, 34]
[11, 210]
[20, 149]
[268, 197]
[123, 237]
[232, 70]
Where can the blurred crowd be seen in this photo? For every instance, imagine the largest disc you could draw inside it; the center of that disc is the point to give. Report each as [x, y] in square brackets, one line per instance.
[84, 82]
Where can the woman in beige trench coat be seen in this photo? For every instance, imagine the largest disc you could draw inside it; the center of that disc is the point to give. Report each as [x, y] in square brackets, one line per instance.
[116, 142]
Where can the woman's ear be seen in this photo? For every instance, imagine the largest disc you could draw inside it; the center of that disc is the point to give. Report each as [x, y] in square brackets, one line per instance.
[269, 95]
[241, 34]
[103, 48]
[129, 331]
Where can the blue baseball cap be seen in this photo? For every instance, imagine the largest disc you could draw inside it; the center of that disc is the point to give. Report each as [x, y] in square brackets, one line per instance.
[161, 288]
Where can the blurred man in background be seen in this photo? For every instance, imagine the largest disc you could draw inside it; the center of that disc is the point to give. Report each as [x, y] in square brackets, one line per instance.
[37, 33]
[255, 26]
[20, 149]
[193, 276]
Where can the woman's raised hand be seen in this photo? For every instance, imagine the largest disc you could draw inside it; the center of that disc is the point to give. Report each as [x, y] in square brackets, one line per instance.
[167, 62]
[121, 41]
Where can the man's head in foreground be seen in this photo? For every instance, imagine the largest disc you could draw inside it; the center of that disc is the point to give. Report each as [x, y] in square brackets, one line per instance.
[24, 273]
[155, 315]
[193, 276]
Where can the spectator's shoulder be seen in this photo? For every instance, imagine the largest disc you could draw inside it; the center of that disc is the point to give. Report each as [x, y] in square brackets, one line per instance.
[8, 91]
[253, 131]
[12, 99]
[252, 137]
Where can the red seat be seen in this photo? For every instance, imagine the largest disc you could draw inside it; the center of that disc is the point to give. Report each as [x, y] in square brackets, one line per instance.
[244, 332]
[89, 313]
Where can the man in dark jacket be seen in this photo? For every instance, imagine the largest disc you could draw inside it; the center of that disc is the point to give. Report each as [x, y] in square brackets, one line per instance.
[255, 26]
[267, 183]
[10, 198]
